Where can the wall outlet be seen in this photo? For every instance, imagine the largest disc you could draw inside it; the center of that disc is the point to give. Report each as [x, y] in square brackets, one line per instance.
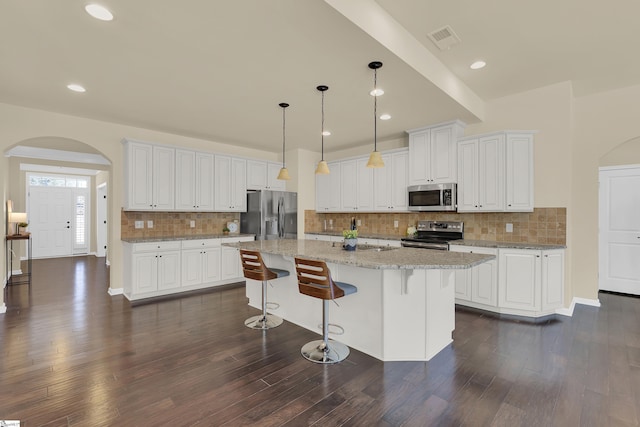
[395, 224]
[509, 228]
[192, 224]
[149, 224]
[359, 223]
[139, 224]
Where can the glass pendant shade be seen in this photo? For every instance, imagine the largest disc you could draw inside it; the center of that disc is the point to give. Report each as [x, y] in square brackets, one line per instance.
[323, 167]
[375, 159]
[284, 173]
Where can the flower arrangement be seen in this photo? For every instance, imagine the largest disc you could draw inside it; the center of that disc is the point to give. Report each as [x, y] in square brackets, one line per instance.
[350, 234]
[225, 230]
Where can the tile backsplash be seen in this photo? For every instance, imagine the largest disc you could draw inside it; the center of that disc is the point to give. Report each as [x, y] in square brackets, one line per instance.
[543, 225]
[168, 224]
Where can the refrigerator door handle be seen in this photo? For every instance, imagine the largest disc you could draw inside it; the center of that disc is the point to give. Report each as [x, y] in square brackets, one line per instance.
[281, 213]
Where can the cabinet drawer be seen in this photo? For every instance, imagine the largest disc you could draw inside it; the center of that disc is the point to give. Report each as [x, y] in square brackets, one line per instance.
[156, 246]
[200, 243]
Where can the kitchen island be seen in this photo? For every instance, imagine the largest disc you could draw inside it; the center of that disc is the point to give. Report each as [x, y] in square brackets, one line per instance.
[403, 310]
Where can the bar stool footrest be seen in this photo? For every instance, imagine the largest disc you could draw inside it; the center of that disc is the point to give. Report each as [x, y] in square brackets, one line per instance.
[318, 352]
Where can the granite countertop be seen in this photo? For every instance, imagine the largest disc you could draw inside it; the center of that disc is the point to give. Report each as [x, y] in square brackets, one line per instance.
[362, 235]
[511, 245]
[186, 237]
[366, 256]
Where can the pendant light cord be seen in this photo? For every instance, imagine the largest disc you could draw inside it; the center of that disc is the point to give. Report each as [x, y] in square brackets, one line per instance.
[375, 110]
[283, 138]
[322, 127]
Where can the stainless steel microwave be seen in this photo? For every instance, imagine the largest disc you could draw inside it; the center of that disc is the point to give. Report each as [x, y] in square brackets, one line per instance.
[433, 197]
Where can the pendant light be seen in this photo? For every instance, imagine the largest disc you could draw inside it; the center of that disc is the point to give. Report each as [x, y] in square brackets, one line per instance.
[323, 167]
[375, 159]
[284, 173]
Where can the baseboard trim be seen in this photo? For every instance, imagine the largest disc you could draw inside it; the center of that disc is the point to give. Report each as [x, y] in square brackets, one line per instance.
[115, 291]
[584, 301]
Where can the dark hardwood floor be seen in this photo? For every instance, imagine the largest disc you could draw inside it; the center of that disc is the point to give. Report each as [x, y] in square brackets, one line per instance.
[73, 355]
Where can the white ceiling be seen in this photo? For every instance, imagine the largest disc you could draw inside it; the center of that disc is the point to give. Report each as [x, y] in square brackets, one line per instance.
[217, 70]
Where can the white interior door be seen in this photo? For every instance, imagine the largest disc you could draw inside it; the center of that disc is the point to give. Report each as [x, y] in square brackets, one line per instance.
[50, 221]
[619, 240]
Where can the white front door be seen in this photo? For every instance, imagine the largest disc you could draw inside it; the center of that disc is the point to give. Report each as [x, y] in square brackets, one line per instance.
[50, 220]
[619, 240]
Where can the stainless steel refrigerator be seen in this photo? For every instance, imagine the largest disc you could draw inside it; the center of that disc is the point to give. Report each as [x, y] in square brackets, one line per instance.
[271, 215]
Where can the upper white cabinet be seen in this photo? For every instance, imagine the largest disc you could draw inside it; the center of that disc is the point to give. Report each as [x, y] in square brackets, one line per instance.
[150, 176]
[432, 153]
[519, 176]
[390, 182]
[356, 185]
[194, 181]
[230, 184]
[263, 175]
[495, 172]
[328, 189]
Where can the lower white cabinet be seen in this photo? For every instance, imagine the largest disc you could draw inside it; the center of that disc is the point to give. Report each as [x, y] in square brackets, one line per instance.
[201, 261]
[155, 267]
[167, 267]
[478, 285]
[523, 282]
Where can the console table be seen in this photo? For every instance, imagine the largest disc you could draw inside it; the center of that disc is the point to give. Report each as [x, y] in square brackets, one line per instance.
[24, 277]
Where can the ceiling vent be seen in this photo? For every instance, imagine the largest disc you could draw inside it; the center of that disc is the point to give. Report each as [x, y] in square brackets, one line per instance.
[444, 37]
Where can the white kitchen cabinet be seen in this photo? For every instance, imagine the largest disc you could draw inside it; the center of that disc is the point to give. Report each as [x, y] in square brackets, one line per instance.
[519, 172]
[390, 182]
[150, 176]
[262, 175]
[495, 172]
[154, 267]
[230, 192]
[481, 174]
[328, 189]
[432, 153]
[201, 262]
[231, 264]
[531, 280]
[552, 279]
[194, 181]
[478, 286]
[356, 185]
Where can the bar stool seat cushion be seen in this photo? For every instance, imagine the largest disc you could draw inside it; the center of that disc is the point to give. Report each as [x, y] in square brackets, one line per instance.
[346, 287]
[279, 273]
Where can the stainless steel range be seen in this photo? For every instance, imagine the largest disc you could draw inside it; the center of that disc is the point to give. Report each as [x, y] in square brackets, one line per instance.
[435, 235]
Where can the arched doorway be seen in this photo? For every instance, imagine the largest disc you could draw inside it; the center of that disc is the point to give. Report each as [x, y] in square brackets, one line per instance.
[48, 156]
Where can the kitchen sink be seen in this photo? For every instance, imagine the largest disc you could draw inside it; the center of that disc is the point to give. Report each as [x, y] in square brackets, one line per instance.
[375, 248]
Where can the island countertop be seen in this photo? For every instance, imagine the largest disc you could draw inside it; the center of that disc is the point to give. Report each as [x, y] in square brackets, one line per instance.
[367, 256]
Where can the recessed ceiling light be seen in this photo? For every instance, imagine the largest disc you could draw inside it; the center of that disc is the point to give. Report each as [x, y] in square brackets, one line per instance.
[477, 65]
[326, 133]
[376, 92]
[385, 116]
[99, 12]
[76, 88]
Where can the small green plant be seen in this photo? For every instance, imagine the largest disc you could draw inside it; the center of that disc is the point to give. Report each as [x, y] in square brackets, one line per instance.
[225, 229]
[350, 234]
[23, 224]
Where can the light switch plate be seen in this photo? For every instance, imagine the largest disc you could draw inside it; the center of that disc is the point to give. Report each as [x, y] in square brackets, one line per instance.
[149, 224]
[192, 223]
[139, 224]
[359, 223]
[509, 227]
[395, 224]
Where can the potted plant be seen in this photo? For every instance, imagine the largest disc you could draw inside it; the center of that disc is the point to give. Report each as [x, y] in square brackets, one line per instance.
[350, 239]
[225, 230]
[22, 225]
